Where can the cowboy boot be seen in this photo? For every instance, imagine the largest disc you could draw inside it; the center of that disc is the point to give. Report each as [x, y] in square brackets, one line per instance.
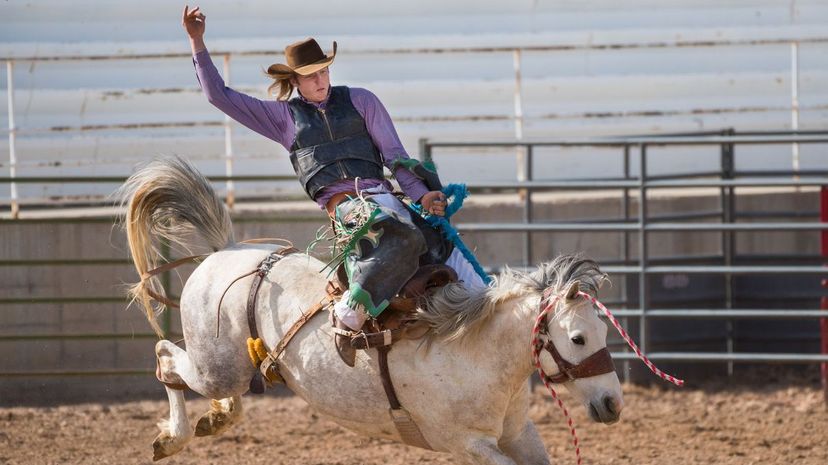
[342, 341]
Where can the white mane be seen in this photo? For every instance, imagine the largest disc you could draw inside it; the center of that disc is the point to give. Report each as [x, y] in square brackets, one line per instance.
[454, 312]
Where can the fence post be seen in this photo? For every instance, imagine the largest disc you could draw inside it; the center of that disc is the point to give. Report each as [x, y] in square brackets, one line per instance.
[15, 206]
[795, 105]
[728, 216]
[625, 252]
[527, 206]
[425, 150]
[518, 100]
[823, 322]
[642, 248]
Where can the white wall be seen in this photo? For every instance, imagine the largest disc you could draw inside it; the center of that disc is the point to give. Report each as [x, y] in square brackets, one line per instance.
[449, 96]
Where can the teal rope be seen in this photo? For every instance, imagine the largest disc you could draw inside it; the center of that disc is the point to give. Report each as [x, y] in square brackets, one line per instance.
[456, 193]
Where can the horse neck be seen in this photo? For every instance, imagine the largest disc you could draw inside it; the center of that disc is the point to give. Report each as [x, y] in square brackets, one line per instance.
[514, 328]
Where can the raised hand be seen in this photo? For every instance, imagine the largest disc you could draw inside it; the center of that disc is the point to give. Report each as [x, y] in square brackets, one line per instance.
[193, 22]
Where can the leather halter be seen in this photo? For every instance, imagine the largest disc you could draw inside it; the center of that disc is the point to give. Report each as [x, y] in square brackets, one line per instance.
[596, 364]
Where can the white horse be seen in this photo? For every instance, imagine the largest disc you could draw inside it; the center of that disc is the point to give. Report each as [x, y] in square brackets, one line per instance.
[465, 386]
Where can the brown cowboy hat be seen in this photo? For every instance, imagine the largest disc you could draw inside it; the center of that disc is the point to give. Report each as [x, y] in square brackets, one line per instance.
[304, 57]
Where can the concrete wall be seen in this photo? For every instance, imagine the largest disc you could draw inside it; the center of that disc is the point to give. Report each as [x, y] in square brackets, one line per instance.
[65, 241]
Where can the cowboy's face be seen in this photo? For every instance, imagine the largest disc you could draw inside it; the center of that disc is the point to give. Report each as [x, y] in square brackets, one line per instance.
[314, 87]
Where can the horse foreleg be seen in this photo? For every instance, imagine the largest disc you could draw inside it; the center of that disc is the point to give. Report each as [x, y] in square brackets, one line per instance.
[222, 414]
[484, 451]
[527, 447]
[174, 368]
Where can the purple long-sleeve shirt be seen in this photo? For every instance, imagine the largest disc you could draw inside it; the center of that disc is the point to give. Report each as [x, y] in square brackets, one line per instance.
[272, 119]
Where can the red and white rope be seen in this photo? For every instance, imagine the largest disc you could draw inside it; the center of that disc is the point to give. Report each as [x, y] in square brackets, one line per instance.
[650, 365]
[536, 348]
[537, 345]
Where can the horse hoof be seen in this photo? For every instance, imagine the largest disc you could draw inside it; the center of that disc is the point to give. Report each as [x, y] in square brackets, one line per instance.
[158, 452]
[164, 446]
[212, 423]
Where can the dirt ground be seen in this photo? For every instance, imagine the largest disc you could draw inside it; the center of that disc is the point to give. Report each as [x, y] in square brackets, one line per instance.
[712, 424]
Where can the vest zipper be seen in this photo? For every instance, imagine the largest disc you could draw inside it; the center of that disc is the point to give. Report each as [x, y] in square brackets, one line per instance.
[327, 124]
[330, 133]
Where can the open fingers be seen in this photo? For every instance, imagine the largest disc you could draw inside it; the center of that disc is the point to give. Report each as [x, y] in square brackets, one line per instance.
[190, 15]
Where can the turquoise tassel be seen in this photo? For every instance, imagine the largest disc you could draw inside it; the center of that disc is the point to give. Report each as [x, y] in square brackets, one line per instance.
[456, 193]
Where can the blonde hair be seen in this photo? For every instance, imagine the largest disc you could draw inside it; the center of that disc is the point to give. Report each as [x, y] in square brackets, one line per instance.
[282, 88]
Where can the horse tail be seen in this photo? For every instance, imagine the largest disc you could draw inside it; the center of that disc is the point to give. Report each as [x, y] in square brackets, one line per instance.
[168, 200]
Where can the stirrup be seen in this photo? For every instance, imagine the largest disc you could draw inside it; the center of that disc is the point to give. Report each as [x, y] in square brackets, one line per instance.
[342, 341]
[364, 341]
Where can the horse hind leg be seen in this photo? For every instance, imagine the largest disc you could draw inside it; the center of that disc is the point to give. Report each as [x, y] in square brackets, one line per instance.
[176, 431]
[174, 370]
[222, 415]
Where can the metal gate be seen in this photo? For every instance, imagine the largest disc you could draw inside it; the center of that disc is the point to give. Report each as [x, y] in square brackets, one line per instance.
[637, 270]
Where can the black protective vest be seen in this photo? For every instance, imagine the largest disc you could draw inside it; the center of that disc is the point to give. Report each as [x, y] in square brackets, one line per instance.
[332, 144]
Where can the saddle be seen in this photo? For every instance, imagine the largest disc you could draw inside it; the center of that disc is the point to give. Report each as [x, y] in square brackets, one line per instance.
[399, 321]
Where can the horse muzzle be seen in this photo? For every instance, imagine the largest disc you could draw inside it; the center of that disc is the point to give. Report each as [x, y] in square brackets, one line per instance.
[606, 409]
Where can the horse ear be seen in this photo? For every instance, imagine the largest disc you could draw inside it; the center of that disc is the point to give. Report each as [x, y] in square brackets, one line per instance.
[573, 290]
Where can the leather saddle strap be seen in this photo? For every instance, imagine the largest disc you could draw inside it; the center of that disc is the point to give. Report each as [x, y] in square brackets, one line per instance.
[269, 362]
[406, 426]
[261, 272]
[251, 303]
[385, 376]
[270, 240]
[171, 265]
[297, 326]
[181, 261]
[160, 298]
[164, 268]
[385, 337]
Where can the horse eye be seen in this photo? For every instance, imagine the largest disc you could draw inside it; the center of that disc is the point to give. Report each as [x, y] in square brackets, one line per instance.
[578, 340]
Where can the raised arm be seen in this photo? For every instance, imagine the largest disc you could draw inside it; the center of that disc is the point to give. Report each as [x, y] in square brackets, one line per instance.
[269, 118]
[194, 23]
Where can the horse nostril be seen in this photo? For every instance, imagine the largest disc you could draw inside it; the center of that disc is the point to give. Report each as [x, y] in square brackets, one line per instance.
[609, 403]
[593, 412]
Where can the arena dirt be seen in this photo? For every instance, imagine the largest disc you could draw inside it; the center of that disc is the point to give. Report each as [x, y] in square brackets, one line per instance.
[710, 425]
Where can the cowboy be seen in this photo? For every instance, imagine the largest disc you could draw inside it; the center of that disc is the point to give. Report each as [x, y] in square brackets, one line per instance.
[339, 139]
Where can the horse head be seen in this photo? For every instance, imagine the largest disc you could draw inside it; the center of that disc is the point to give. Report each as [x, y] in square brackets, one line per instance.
[571, 348]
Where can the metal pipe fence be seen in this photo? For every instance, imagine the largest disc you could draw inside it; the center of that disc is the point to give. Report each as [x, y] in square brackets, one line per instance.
[631, 187]
[644, 225]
